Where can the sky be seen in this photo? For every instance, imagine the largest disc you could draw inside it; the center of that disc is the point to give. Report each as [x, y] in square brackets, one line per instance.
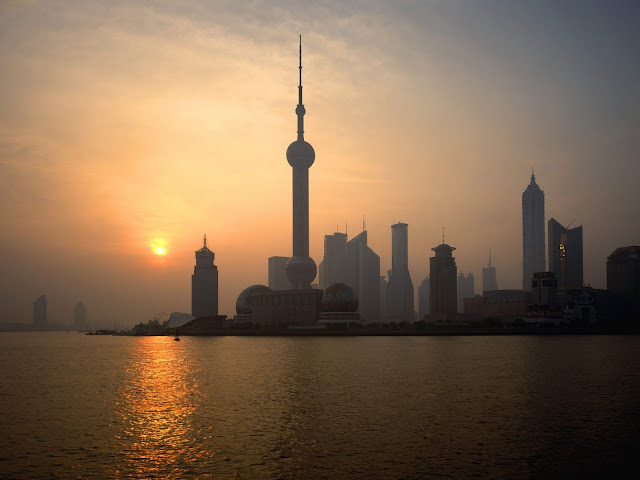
[127, 126]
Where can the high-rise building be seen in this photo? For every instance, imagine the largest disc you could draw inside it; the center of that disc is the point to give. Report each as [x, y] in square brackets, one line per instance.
[544, 290]
[442, 279]
[565, 254]
[383, 294]
[623, 272]
[80, 316]
[423, 298]
[301, 269]
[332, 266]
[362, 273]
[532, 232]
[40, 311]
[400, 287]
[277, 276]
[466, 289]
[204, 284]
[489, 281]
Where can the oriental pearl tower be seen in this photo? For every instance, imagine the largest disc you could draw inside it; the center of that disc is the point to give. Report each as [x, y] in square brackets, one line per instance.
[300, 268]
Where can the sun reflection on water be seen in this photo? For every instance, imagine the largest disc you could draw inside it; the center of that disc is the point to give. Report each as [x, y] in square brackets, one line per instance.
[157, 408]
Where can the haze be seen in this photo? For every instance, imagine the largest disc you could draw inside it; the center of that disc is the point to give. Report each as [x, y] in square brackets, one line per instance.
[128, 126]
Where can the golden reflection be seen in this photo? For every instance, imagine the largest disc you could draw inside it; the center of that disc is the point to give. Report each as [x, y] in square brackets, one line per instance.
[157, 407]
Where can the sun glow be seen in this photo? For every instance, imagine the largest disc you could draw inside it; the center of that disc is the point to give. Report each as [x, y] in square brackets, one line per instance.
[160, 251]
[159, 247]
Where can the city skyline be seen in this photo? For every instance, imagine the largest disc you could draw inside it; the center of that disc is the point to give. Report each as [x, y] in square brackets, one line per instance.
[106, 161]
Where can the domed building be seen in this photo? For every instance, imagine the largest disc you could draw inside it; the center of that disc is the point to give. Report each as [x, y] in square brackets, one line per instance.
[244, 305]
[339, 306]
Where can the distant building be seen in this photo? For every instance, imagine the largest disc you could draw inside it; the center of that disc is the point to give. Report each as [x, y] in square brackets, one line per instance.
[489, 280]
[362, 273]
[466, 289]
[286, 308]
[565, 254]
[442, 279]
[204, 284]
[544, 289]
[80, 317]
[623, 272]
[532, 232]
[502, 304]
[277, 276]
[40, 311]
[423, 298]
[400, 293]
[332, 265]
[383, 294]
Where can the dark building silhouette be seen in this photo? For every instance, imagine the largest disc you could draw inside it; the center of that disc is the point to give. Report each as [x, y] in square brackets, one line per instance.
[204, 284]
[301, 269]
[362, 273]
[424, 294]
[383, 294]
[80, 317]
[277, 276]
[623, 271]
[544, 289]
[489, 280]
[399, 298]
[565, 254]
[466, 289]
[532, 232]
[40, 312]
[332, 266]
[443, 282]
[339, 306]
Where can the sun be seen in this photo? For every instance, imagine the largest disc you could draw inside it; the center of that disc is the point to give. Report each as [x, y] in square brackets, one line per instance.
[160, 251]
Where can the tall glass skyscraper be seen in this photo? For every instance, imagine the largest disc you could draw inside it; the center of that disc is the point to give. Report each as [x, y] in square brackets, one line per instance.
[533, 251]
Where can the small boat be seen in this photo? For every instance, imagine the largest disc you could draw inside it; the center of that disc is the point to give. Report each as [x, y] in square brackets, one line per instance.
[176, 339]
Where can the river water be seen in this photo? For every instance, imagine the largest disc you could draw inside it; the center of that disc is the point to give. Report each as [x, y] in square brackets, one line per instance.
[76, 406]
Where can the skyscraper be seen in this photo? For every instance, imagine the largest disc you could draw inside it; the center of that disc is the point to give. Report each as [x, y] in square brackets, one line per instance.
[532, 232]
[277, 276]
[489, 281]
[80, 316]
[466, 289]
[204, 284]
[623, 272]
[362, 273]
[423, 298]
[442, 280]
[400, 287]
[332, 266]
[40, 311]
[565, 254]
[300, 268]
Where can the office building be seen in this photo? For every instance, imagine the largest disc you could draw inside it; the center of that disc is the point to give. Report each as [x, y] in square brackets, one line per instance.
[332, 266]
[204, 284]
[623, 272]
[565, 254]
[443, 282]
[400, 293]
[277, 276]
[423, 298]
[466, 289]
[532, 232]
[489, 280]
[362, 274]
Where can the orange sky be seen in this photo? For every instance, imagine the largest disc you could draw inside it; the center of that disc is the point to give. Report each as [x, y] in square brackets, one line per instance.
[128, 124]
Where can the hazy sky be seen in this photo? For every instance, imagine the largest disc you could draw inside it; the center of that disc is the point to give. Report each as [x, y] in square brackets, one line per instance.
[127, 125]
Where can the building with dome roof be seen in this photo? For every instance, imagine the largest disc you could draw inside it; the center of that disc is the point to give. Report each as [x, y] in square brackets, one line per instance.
[204, 284]
[339, 306]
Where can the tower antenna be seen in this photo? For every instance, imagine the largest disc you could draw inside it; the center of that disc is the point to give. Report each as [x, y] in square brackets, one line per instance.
[489, 257]
[205, 240]
[364, 223]
[442, 234]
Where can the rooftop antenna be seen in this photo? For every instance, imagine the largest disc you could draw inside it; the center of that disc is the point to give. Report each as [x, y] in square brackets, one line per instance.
[205, 240]
[364, 223]
[489, 257]
[300, 109]
[442, 234]
[570, 223]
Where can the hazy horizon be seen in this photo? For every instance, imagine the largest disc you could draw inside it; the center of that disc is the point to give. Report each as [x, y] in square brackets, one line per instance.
[127, 126]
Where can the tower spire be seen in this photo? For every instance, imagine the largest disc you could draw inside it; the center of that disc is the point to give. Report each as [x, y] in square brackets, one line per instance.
[205, 240]
[442, 234]
[300, 110]
[489, 257]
